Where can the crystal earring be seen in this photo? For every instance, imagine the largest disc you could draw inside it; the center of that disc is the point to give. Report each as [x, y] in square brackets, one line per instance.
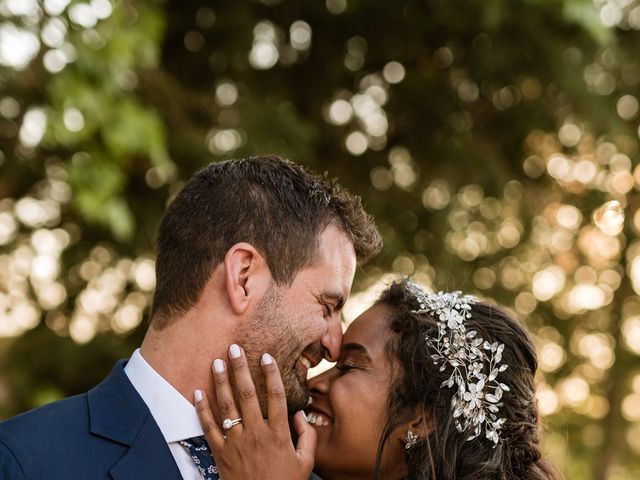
[411, 439]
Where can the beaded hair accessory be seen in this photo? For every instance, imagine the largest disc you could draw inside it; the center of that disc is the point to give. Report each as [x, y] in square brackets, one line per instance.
[475, 363]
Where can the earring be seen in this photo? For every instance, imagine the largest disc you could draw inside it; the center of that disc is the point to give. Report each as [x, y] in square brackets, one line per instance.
[412, 439]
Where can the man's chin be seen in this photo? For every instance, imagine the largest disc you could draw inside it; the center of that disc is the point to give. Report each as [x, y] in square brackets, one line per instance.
[297, 399]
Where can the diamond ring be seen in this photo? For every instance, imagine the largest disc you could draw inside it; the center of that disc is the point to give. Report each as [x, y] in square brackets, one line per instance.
[228, 422]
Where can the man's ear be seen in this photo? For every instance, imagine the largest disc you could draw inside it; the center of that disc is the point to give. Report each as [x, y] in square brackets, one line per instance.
[246, 276]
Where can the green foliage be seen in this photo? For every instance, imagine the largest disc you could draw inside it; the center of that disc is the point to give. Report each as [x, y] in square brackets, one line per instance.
[481, 135]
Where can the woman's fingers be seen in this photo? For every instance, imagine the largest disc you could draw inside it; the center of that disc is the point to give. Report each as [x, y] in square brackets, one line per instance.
[212, 432]
[246, 393]
[224, 394]
[276, 396]
[242, 451]
[307, 438]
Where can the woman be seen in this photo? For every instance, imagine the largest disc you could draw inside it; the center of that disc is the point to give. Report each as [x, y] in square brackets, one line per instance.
[428, 386]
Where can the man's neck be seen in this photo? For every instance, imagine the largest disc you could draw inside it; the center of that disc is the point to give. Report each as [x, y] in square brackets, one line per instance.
[182, 357]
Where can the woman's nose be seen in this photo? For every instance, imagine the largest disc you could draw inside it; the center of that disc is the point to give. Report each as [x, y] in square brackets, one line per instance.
[320, 384]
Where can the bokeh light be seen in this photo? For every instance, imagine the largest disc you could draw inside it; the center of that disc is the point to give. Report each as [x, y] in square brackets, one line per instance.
[511, 178]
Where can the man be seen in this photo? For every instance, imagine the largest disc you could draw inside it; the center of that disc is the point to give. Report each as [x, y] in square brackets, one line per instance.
[257, 252]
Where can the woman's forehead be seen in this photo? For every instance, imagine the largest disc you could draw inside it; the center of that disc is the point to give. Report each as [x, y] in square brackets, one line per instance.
[370, 329]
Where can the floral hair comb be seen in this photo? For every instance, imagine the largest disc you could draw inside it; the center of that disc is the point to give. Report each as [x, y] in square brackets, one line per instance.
[475, 363]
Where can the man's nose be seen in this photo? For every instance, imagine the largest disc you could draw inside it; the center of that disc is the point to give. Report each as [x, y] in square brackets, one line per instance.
[332, 338]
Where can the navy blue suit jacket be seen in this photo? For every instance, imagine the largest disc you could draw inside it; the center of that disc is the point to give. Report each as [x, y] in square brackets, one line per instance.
[107, 433]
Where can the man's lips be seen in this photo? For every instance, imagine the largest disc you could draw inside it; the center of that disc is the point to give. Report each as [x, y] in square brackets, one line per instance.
[305, 363]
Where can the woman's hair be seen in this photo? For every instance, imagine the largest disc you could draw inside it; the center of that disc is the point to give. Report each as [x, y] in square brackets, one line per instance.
[445, 453]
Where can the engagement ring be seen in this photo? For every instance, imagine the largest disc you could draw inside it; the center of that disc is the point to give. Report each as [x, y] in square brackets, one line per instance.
[228, 422]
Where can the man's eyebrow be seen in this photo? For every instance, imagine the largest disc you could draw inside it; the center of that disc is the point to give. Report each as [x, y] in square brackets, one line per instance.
[336, 297]
[356, 347]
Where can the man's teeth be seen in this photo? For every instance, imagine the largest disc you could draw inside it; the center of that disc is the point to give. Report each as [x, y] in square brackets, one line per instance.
[318, 419]
[305, 361]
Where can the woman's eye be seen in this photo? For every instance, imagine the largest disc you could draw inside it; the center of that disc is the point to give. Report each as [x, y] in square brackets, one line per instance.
[345, 367]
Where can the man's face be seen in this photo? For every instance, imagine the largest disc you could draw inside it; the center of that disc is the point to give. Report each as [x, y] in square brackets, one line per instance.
[300, 324]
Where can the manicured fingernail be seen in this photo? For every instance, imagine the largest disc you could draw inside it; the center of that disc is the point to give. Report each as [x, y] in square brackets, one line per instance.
[218, 365]
[198, 395]
[234, 351]
[305, 416]
[266, 359]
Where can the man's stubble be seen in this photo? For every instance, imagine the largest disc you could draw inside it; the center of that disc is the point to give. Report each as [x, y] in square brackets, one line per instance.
[273, 330]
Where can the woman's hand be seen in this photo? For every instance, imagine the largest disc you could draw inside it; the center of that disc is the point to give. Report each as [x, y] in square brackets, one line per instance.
[257, 448]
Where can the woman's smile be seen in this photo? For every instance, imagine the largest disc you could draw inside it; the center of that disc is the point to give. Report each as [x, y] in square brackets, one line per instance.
[388, 409]
[318, 419]
[349, 401]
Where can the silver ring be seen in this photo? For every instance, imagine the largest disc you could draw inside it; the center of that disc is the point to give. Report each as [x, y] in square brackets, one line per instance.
[228, 422]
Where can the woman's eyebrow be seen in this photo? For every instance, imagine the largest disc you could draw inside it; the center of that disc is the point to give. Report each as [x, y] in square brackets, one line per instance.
[357, 348]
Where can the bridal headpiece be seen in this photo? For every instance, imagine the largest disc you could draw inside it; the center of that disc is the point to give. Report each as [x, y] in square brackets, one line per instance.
[475, 364]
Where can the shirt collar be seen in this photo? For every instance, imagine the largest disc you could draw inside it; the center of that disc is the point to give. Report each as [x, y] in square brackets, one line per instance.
[174, 414]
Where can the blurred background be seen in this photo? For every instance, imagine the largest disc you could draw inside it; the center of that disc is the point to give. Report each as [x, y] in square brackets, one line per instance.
[496, 143]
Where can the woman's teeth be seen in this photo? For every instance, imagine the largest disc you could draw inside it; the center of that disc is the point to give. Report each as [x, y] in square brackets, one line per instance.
[318, 419]
[305, 361]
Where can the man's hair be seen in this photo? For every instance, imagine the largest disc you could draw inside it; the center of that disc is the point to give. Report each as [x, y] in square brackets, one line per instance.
[275, 205]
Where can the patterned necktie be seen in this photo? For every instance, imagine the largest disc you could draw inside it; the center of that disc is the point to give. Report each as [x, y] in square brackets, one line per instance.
[198, 448]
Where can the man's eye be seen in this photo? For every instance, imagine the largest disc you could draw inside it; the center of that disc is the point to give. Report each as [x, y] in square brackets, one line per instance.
[327, 310]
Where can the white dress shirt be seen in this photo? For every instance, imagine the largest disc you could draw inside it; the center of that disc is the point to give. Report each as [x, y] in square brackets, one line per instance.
[174, 414]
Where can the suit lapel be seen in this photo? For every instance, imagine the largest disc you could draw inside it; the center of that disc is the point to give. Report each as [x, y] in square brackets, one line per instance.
[117, 413]
[147, 457]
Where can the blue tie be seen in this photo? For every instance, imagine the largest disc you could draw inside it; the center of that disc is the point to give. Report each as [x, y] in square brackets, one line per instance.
[199, 451]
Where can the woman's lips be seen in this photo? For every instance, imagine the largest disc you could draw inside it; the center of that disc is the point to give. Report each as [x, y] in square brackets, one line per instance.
[317, 416]
[319, 419]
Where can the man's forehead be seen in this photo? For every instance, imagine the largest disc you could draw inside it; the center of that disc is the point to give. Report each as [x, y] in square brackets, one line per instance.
[334, 242]
[337, 261]
[329, 283]
[331, 275]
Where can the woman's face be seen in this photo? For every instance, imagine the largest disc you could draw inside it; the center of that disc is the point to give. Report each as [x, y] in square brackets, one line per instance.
[349, 402]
